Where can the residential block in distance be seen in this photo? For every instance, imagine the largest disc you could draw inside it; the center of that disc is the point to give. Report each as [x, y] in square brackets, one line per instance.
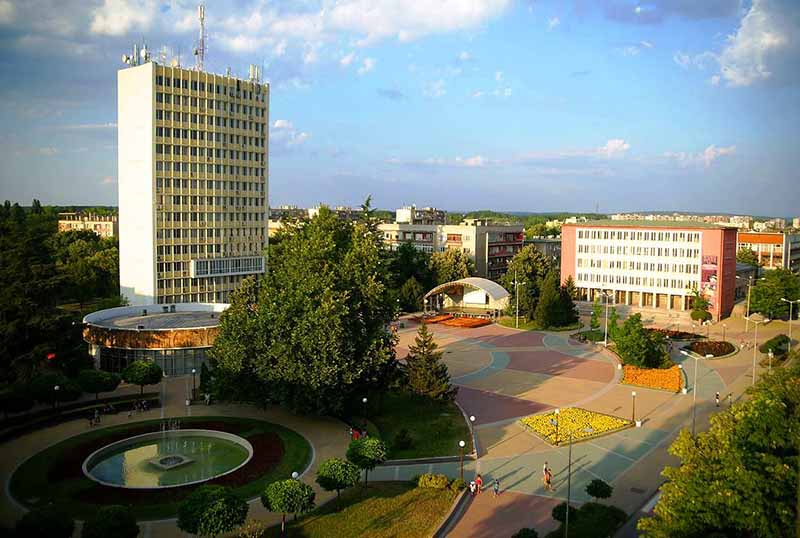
[652, 264]
[103, 225]
[775, 250]
[193, 182]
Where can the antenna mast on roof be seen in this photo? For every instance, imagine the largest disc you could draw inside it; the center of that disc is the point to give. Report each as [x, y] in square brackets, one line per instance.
[200, 51]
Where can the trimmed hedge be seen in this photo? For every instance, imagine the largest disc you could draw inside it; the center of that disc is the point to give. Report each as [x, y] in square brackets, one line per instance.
[778, 344]
[433, 481]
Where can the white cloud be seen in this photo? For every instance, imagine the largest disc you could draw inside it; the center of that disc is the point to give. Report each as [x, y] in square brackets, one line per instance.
[310, 55]
[283, 134]
[464, 56]
[280, 48]
[47, 151]
[118, 17]
[366, 66]
[282, 124]
[765, 42]
[476, 94]
[347, 59]
[7, 12]
[475, 161]
[635, 48]
[435, 89]
[705, 157]
[682, 59]
[498, 76]
[615, 147]
[552, 23]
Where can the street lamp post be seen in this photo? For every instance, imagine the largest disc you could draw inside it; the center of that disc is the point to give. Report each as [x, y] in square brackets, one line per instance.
[555, 423]
[364, 401]
[517, 284]
[791, 304]
[55, 396]
[461, 445]
[633, 406]
[755, 342]
[723, 331]
[588, 429]
[694, 385]
[607, 296]
[194, 387]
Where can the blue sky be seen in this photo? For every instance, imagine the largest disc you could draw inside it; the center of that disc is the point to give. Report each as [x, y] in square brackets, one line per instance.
[461, 104]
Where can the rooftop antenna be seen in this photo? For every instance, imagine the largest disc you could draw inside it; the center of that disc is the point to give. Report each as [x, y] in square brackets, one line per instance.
[200, 51]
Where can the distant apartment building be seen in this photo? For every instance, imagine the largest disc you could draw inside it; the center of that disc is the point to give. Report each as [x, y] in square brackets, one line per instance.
[651, 264]
[738, 221]
[278, 215]
[343, 212]
[771, 224]
[193, 164]
[796, 223]
[550, 247]
[774, 249]
[424, 215]
[102, 225]
[489, 245]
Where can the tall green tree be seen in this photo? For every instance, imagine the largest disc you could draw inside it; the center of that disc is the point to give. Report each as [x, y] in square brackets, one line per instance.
[597, 311]
[312, 332]
[740, 478]
[427, 375]
[142, 373]
[747, 256]
[613, 323]
[555, 307]
[572, 290]
[288, 497]
[530, 267]
[211, 510]
[766, 296]
[638, 346]
[410, 295]
[367, 453]
[407, 262]
[450, 265]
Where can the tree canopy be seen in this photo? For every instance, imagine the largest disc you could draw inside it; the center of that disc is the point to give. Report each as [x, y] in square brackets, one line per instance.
[288, 497]
[530, 267]
[555, 307]
[313, 331]
[142, 373]
[740, 478]
[637, 346]
[765, 297]
[747, 256]
[427, 375]
[367, 453]
[336, 474]
[211, 510]
[450, 265]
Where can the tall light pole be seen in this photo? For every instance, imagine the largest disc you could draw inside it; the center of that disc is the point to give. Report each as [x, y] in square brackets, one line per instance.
[607, 297]
[791, 304]
[633, 406]
[55, 396]
[694, 385]
[517, 284]
[588, 429]
[747, 314]
[723, 331]
[461, 445]
[755, 342]
[364, 401]
[194, 371]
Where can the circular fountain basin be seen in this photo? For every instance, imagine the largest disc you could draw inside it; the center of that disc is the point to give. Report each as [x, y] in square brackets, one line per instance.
[168, 459]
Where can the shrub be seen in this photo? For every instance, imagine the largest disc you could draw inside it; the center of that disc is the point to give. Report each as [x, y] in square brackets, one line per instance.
[116, 521]
[142, 373]
[336, 474]
[366, 453]
[211, 510]
[595, 520]
[403, 440]
[47, 522]
[599, 489]
[559, 512]
[778, 344]
[97, 381]
[716, 348]
[43, 389]
[457, 485]
[433, 481]
[525, 533]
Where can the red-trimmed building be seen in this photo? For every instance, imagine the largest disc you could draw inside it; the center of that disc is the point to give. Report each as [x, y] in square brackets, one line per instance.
[651, 264]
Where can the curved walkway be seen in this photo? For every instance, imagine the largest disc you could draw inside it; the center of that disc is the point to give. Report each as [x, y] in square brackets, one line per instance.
[328, 437]
[504, 374]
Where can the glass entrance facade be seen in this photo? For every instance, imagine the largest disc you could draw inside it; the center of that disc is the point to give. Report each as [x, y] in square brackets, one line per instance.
[172, 361]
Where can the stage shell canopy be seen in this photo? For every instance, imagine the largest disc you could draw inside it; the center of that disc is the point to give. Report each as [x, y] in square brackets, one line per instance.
[484, 294]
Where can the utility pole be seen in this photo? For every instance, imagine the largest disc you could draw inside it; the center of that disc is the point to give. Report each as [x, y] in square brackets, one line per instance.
[516, 292]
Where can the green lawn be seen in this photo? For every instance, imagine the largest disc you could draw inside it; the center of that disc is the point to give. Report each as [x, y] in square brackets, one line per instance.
[435, 427]
[384, 510]
[508, 321]
[31, 484]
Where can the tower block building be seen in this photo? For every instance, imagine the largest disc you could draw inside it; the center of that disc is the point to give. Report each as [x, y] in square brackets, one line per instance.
[193, 181]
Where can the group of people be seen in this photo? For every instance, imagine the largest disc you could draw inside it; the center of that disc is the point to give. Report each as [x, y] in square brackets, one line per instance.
[358, 433]
[94, 417]
[475, 486]
[139, 406]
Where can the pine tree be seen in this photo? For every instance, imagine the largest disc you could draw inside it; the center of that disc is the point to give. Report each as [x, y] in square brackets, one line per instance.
[547, 309]
[427, 376]
[613, 320]
[569, 285]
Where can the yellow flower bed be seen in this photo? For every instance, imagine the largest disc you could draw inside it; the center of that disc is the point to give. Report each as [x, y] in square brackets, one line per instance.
[669, 379]
[580, 422]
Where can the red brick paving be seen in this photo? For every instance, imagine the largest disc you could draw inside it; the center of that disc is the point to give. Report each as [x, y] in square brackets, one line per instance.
[558, 364]
[490, 517]
[517, 339]
[490, 407]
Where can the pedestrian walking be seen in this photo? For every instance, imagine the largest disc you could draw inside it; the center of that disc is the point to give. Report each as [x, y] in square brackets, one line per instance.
[544, 469]
[716, 399]
[91, 420]
[96, 416]
[548, 480]
[472, 488]
[479, 483]
[496, 487]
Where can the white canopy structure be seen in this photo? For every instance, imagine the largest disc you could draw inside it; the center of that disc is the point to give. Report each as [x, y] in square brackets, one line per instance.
[472, 295]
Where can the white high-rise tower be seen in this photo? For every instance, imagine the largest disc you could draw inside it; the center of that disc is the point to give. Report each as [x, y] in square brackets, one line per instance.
[193, 181]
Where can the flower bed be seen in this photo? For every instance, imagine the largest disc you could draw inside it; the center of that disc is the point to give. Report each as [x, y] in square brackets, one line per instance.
[438, 319]
[670, 379]
[469, 323]
[676, 335]
[577, 421]
[717, 348]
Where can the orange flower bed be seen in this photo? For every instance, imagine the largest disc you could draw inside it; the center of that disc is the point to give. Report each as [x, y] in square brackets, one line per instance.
[670, 379]
[469, 323]
[438, 319]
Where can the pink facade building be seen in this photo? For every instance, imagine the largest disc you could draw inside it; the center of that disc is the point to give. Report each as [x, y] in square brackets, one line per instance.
[651, 264]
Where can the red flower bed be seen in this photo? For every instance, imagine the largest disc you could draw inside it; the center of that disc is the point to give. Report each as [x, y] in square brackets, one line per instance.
[716, 348]
[438, 319]
[675, 335]
[468, 323]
